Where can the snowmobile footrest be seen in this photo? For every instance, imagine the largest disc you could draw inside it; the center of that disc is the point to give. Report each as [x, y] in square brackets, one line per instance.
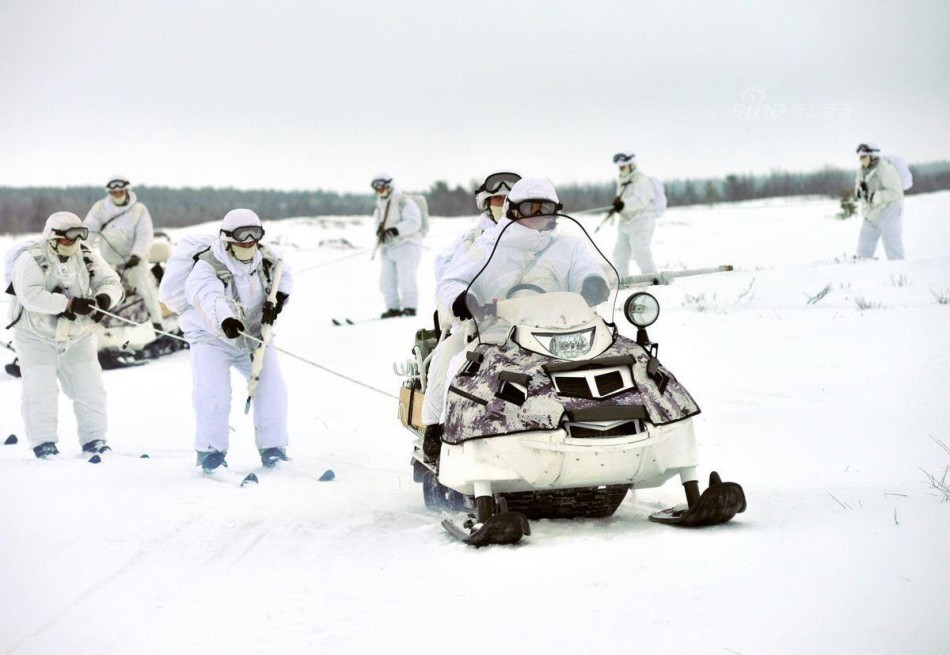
[718, 504]
[504, 528]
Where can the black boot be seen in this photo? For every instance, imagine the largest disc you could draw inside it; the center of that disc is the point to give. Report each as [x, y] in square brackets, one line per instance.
[46, 450]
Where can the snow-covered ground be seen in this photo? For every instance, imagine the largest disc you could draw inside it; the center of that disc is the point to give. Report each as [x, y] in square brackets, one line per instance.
[830, 414]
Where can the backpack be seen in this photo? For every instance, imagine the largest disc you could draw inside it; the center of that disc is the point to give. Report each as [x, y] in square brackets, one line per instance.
[423, 204]
[184, 257]
[659, 197]
[907, 179]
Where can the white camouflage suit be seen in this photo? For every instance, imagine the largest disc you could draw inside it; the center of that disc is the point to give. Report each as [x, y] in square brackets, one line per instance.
[455, 342]
[636, 225]
[213, 354]
[525, 256]
[52, 348]
[882, 210]
[399, 256]
[120, 231]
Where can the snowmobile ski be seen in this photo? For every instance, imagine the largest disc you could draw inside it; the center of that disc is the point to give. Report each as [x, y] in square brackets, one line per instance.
[718, 504]
[503, 528]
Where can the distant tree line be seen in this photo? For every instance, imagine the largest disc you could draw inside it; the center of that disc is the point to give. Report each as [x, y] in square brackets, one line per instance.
[26, 209]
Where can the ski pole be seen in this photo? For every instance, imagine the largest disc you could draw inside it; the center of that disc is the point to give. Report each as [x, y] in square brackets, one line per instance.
[665, 277]
[257, 359]
[7, 345]
[321, 367]
[122, 318]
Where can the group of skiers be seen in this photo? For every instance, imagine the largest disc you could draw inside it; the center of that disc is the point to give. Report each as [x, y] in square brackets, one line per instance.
[232, 289]
[235, 287]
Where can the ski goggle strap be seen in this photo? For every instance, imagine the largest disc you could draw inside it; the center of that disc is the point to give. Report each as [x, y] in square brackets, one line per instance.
[494, 182]
[380, 184]
[529, 208]
[246, 233]
[72, 233]
[864, 150]
[116, 185]
[623, 158]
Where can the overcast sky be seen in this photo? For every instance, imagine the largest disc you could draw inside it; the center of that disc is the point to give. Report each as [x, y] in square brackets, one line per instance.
[308, 95]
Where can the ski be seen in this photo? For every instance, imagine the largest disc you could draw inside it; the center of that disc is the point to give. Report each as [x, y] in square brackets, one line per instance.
[326, 476]
[225, 476]
[97, 458]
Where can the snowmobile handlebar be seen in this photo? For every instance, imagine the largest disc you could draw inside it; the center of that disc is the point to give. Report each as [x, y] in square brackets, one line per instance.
[667, 277]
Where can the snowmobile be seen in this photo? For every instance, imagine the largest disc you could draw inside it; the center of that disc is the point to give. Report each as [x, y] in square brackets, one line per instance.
[552, 412]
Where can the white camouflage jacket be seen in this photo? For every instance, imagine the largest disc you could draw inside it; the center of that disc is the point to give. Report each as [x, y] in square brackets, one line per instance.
[636, 195]
[130, 233]
[401, 212]
[43, 295]
[884, 188]
[211, 301]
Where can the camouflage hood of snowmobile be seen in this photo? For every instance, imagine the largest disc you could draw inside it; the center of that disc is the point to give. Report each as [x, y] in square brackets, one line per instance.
[475, 410]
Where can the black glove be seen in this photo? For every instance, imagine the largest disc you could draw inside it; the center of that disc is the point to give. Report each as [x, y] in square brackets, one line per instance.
[232, 328]
[102, 302]
[134, 261]
[460, 307]
[595, 291]
[618, 205]
[862, 190]
[390, 233]
[82, 306]
[271, 310]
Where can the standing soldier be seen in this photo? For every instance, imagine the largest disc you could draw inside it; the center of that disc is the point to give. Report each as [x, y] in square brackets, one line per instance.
[227, 294]
[122, 227]
[635, 193]
[879, 189]
[398, 221]
[59, 285]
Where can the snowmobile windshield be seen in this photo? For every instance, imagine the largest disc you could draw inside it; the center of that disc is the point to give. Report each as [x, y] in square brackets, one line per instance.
[544, 272]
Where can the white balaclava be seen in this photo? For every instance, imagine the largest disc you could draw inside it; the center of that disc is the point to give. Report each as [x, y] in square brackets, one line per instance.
[239, 218]
[626, 161]
[61, 221]
[869, 149]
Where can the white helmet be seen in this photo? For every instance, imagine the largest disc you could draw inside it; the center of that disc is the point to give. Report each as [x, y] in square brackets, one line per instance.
[240, 226]
[625, 157]
[496, 184]
[118, 182]
[381, 180]
[60, 222]
[535, 189]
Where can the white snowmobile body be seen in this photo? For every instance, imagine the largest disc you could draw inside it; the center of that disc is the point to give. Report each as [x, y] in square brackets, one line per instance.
[550, 396]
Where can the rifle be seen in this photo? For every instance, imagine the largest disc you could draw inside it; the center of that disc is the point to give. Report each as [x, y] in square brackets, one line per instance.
[667, 277]
[257, 359]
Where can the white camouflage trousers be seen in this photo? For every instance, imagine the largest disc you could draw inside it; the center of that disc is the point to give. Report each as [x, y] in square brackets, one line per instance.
[75, 364]
[886, 226]
[140, 278]
[437, 379]
[397, 275]
[633, 238]
[211, 364]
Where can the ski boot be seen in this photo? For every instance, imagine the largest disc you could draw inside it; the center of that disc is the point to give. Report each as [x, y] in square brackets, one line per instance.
[46, 450]
[95, 447]
[209, 461]
[270, 456]
[432, 442]
[718, 504]
[409, 311]
[391, 313]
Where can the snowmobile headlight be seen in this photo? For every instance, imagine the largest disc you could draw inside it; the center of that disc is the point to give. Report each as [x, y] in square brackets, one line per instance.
[641, 309]
[567, 345]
